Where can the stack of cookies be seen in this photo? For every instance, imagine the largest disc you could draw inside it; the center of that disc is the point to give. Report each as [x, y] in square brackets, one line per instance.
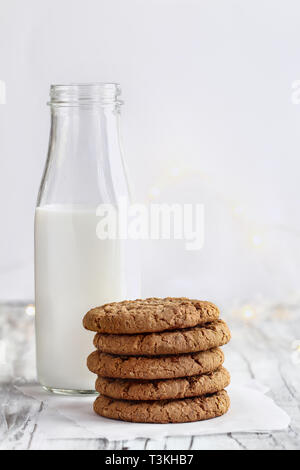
[158, 360]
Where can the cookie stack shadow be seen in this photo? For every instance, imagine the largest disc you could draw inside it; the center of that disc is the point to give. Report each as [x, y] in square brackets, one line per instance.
[159, 360]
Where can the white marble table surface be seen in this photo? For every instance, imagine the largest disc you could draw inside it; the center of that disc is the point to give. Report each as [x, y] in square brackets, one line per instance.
[263, 347]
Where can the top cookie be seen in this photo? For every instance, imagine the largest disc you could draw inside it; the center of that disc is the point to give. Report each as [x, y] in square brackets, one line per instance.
[150, 315]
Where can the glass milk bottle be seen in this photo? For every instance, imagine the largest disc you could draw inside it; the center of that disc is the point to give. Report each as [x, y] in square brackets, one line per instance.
[74, 269]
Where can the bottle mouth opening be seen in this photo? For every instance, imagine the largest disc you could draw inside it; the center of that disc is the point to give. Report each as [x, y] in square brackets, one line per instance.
[75, 94]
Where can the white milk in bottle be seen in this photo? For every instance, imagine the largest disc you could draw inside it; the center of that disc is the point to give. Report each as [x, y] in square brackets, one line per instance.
[74, 269]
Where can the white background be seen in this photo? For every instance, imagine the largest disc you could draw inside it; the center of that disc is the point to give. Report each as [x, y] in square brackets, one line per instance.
[208, 117]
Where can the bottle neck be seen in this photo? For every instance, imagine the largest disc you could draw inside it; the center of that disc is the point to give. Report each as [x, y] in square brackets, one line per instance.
[84, 164]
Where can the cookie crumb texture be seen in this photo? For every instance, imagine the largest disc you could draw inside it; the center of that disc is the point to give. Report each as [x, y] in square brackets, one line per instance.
[188, 340]
[164, 389]
[174, 411]
[150, 315]
[159, 367]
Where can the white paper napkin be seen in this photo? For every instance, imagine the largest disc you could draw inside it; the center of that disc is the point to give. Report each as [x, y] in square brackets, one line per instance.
[73, 417]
